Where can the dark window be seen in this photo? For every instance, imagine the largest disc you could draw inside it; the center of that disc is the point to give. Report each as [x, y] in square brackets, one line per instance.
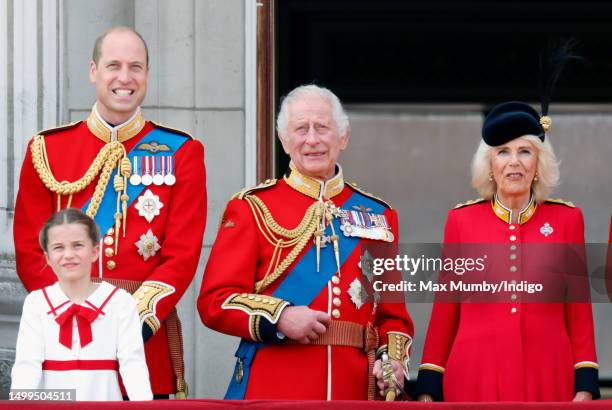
[441, 51]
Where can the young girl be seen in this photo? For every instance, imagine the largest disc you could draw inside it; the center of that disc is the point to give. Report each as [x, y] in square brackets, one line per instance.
[76, 334]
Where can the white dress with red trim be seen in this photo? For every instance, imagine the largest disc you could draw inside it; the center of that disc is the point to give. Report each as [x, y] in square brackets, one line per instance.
[62, 345]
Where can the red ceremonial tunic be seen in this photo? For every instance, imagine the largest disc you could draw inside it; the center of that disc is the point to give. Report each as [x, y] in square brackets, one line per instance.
[178, 227]
[509, 350]
[241, 256]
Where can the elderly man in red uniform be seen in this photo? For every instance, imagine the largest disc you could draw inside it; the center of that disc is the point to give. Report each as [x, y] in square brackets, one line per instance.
[144, 184]
[284, 272]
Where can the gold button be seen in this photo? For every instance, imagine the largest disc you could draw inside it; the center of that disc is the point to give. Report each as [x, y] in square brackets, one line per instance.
[335, 280]
[336, 313]
[141, 295]
[513, 238]
[108, 240]
[513, 297]
[513, 248]
[512, 269]
[512, 227]
[257, 299]
[336, 291]
[337, 302]
[512, 256]
[251, 297]
[109, 252]
[244, 295]
[272, 302]
[513, 310]
[111, 265]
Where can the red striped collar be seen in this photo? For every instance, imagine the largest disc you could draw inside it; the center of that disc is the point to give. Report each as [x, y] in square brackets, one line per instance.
[58, 301]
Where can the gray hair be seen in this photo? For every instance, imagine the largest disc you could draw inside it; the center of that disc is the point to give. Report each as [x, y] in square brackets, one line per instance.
[547, 169]
[338, 113]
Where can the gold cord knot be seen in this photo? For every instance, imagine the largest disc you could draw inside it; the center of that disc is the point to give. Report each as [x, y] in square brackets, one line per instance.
[126, 167]
[118, 183]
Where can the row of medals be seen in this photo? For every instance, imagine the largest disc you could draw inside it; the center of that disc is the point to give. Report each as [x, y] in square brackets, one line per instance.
[159, 177]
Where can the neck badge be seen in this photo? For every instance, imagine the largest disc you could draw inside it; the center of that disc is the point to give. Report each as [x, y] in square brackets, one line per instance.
[148, 205]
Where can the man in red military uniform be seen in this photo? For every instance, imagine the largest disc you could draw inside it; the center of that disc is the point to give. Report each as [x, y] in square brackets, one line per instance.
[284, 272]
[144, 184]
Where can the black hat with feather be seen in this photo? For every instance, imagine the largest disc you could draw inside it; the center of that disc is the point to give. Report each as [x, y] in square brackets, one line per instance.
[514, 119]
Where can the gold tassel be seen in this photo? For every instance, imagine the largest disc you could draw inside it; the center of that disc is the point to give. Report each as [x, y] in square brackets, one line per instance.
[335, 239]
[117, 226]
[126, 171]
[319, 233]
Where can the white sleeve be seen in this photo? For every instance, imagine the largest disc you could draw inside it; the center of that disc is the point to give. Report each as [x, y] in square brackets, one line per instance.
[130, 352]
[30, 349]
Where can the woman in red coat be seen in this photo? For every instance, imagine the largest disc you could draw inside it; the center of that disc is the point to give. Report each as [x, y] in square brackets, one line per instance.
[511, 350]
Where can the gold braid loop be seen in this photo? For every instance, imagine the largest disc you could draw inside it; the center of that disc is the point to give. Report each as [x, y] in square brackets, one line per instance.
[276, 228]
[111, 151]
[299, 237]
[103, 164]
[126, 167]
[107, 170]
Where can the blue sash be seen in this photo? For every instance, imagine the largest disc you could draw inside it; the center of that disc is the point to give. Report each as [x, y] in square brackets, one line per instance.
[105, 218]
[301, 286]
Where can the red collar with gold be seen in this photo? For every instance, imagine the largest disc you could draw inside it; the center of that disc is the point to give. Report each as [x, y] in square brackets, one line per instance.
[121, 132]
[312, 187]
[505, 214]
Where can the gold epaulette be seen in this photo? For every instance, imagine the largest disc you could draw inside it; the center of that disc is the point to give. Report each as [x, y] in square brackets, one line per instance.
[470, 202]
[52, 130]
[369, 195]
[561, 202]
[266, 184]
[174, 130]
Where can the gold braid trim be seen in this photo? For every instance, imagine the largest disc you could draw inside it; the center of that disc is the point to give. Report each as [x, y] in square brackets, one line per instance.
[299, 237]
[104, 163]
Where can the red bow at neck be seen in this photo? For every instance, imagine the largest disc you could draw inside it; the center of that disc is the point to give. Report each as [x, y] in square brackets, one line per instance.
[84, 316]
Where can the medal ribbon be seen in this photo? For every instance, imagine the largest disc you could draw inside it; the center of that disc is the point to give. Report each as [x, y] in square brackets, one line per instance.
[105, 216]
